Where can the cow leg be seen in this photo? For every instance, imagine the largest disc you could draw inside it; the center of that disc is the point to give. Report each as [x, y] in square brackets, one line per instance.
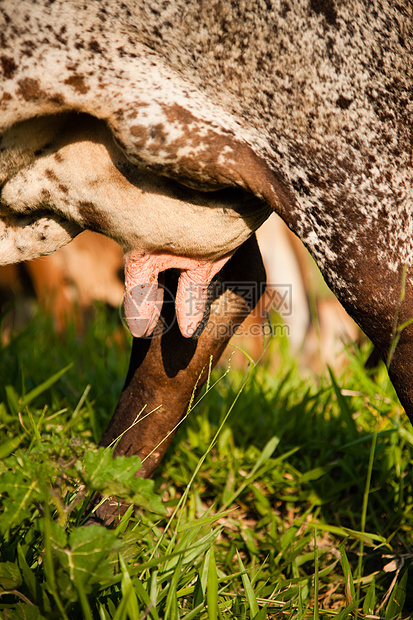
[394, 337]
[166, 369]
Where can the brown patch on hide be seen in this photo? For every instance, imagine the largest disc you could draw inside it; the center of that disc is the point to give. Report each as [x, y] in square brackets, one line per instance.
[77, 82]
[45, 195]
[8, 66]
[6, 97]
[51, 175]
[94, 46]
[28, 48]
[30, 89]
[142, 134]
[326, 8]
[56, 98]
[225, 161]
[92, 217]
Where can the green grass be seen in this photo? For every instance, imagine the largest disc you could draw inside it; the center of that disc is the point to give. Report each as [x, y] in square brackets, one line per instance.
[282, 496]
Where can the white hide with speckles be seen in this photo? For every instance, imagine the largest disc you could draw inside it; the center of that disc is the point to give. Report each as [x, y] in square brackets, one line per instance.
[305, 104]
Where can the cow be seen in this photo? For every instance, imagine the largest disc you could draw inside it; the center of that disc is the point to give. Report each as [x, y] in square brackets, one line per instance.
[176, 128]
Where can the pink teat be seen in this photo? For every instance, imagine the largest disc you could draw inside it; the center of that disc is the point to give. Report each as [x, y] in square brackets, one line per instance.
[143, 296]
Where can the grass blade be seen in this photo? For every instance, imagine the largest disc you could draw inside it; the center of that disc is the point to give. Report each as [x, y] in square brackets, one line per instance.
[249, 591]
[128, 591]
[348, 577]
[43, 387]
[212, 587]
[316, 576]
[370, 600]
[345, 409]
[397, 598]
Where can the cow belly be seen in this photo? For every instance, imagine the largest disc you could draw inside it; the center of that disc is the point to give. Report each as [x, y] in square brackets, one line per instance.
[85, 180]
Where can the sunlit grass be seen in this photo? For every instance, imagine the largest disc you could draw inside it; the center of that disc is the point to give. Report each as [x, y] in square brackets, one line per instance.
[283, 496]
